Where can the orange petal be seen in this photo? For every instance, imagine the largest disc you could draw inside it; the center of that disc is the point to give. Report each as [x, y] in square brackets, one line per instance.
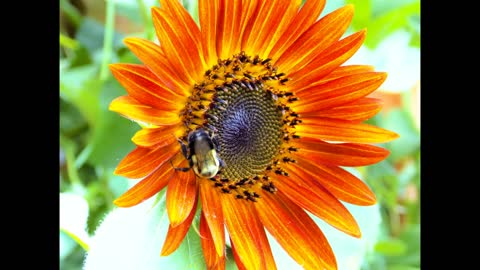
[228, 31]
[212, 209]
[176, 234]
[340, 154]
[343, 131]
[207, 14]
[335, 55]
[307, 193]
[147, 187]
[152, 56]
[249, 10]
[142, 161]
[144, 86]
[254, 222]
[317, 38]
[238, 214]
[295, 231]
[357, 111]
[338, 92]
[158, 137]
[178, 47]
[307, 15]
[212, 258]
[238, 262]
[345, 71]
[342, 184]
[183, 18]
[268, 25]
[181, 195]
[130, 108]
[278, 25]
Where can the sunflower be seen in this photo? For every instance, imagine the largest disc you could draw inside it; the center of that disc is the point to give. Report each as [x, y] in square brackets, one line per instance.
[251, 116]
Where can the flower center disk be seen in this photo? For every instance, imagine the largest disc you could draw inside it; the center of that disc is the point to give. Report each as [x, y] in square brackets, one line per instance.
[242, 105]
[248, 127]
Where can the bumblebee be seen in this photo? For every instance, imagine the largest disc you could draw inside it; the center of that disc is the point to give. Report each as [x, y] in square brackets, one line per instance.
[201, 153]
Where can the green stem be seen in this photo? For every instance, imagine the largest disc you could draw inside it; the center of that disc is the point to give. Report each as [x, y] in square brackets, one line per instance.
[69, 148]
[71, 12]
[149, 31]
[67, 42]
[108, 39]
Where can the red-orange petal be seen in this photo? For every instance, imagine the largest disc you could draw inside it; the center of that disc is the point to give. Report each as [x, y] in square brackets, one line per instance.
[134, 110]
[144, 86]
[342, 184]
[228, 31]
[254, 222]
[338, 92]
[142, 161]
[176, 234]
[304, 18]
[357, 111]
[340, 154]
[335, 55]
[269, 23]
[180, 50]
[344, 71]
[307, 193]
[176, 10]
[249, 12]
[181, 195]
[212, 209]
[269, 260]
[295, 231]
[212, 259]
[152, 56]
[147, 187]
[314, 40]
[247, 239]
[238, 262]
[277, 30]
[343, 131]
[158, 137]
[207, 15]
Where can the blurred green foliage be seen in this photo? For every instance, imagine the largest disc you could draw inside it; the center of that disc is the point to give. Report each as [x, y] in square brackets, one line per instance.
[93, 140]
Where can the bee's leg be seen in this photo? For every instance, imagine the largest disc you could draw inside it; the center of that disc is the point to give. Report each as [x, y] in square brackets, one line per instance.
[185, 153]
[215, 143]
[182, 169]
[222, 163]
[184, 148]
[186, 169]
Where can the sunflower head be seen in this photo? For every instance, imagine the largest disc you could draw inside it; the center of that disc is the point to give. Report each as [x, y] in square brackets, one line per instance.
[252, 113]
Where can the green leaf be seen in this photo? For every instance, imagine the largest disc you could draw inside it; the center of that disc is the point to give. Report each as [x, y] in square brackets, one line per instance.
[382, 6]
[71, 120]
[408, 143]
[78, 88]
[349, 251]
[363, 13]
[332, 5]
[189, 254]
[118, 185]
[391, 247]
[111, 140]
[402, 267]
[67, 245]
[132, 238]
[73, 218]
[91, 35]
[131, 9]
[389, 22]
[410, 237]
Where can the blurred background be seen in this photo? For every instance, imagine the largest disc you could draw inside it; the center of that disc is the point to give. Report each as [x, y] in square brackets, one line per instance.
[93, 140]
